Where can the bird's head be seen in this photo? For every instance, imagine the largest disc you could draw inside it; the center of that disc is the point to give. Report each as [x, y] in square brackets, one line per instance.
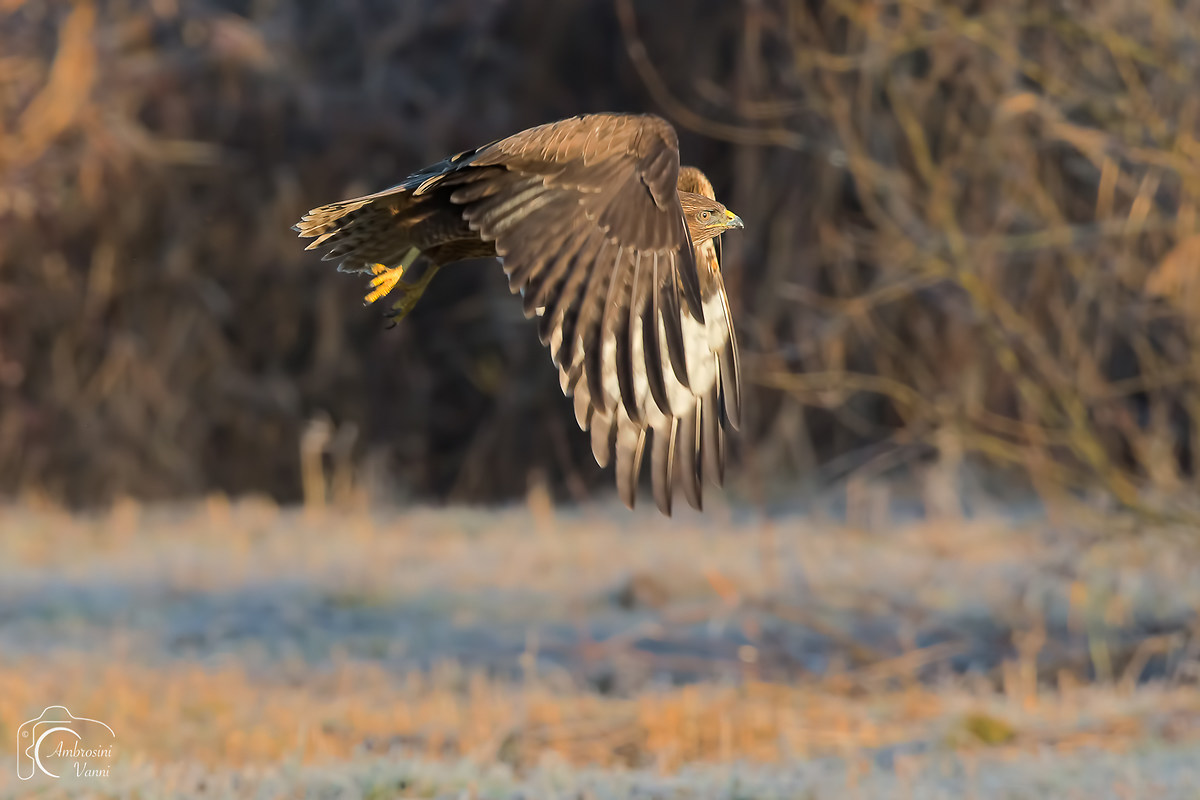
[706, 218]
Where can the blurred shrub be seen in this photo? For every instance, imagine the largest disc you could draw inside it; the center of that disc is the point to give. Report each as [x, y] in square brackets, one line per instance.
[1007, 182]
[972, 234]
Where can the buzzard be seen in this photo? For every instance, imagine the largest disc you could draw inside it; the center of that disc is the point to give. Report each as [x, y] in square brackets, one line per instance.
[611, 245]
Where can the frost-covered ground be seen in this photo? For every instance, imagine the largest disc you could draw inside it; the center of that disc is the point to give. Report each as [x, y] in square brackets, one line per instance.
[1156, 773]
[247, 651]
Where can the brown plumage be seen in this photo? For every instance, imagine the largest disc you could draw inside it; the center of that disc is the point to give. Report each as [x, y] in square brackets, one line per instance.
[612, 246]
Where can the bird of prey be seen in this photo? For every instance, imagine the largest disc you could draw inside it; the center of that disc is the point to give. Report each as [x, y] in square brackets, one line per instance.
[611, 245]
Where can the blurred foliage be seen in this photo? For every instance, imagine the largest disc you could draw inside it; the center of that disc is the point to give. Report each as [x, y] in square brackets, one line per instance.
[971, 235]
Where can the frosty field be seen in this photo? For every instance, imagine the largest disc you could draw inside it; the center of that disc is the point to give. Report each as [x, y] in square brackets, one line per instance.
[243, 650]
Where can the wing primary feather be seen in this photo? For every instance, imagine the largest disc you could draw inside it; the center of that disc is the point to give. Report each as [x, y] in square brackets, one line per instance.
[589, 326]
[712, 438]
[633, 345]
[688, 276]
[569, 380]
[651, 313]
[604, 438]
[563, 313]
[555, 276]
[583, 406]
[730, 369]
[616, 324]
[662, 464]
[631, 439]
[688, 458]
[575, 328]
[567, 321]
[525, 272]
[672, 323]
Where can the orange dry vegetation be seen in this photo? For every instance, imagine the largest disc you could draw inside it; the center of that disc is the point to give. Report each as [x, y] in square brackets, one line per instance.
[244, 634]
[223, 717]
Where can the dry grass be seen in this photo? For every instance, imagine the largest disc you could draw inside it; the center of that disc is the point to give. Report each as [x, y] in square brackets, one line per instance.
[222, 717]
[245, 639]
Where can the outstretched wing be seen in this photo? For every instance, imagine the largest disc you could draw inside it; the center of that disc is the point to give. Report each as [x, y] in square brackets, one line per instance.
[586, 217]
[687, 445]
[585, 214]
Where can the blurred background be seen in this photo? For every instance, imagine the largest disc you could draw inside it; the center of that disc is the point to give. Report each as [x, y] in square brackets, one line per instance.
[255, 531]
[971, 239]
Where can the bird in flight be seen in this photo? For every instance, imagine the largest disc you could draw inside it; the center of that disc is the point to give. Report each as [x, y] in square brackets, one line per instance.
[611, 245]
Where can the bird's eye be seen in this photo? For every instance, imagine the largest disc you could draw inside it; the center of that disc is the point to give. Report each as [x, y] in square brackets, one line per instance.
[704, 215]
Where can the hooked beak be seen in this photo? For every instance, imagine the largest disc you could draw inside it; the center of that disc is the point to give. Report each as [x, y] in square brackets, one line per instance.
[732, 220]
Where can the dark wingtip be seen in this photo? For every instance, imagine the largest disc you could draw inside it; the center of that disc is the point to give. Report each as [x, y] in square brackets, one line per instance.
[662, 466]
[712, 438]
[631, 439]
[731, 384]
[628, 496]
[688, 456]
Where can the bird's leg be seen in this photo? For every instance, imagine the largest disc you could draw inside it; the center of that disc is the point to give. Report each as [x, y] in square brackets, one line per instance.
[386, 278]
[412, 293]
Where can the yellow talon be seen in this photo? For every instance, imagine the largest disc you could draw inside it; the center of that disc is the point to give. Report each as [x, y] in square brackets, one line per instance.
[387, 277]
[384, 281]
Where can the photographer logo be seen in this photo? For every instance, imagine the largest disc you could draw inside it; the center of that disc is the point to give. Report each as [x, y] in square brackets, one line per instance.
[57, 743]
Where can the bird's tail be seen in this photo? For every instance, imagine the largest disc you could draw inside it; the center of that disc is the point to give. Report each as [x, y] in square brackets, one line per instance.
[361, 232]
